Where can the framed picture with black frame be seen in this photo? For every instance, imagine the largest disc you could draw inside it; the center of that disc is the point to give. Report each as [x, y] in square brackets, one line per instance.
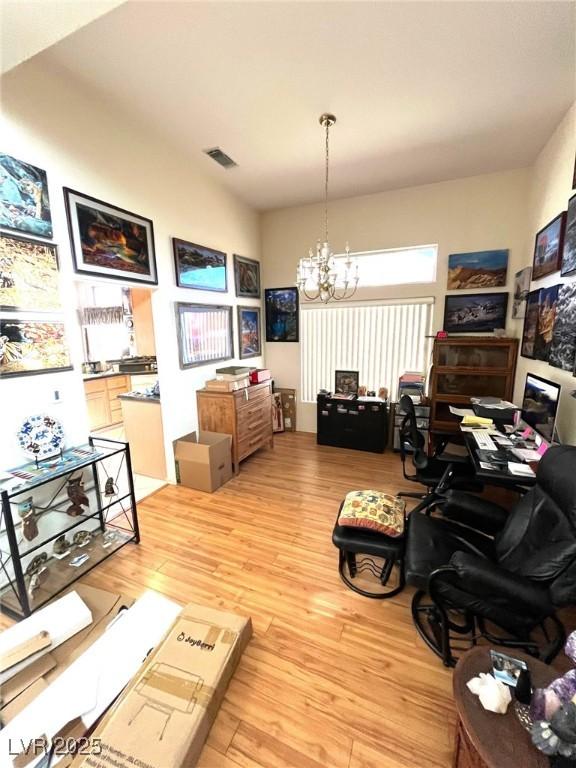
[247, 277]
[204, 333]
[346, 382]
[249, 337]
[475, 312]
[548, 247]
[108, 241]
[24, 191]
[281, 306]
[199, 267]
[29, 277]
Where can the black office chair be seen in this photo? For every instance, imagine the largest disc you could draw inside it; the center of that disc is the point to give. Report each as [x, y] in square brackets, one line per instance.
[505, 587]
[435, 474]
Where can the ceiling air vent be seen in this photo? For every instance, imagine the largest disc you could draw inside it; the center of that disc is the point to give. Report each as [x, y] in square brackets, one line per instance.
[220, 157]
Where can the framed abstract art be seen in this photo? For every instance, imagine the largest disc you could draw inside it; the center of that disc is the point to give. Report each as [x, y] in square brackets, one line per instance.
[108, 241]
[247, 277]
[281, 314]
[24, 201]
[29, 347]
[29, 278]
[249, 339]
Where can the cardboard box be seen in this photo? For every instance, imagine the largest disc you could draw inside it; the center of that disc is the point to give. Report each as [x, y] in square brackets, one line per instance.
[203, 462]
[224, 385]
[288, 407]
[163, 716]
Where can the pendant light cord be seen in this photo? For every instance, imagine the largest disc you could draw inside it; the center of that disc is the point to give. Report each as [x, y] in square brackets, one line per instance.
[326, 185]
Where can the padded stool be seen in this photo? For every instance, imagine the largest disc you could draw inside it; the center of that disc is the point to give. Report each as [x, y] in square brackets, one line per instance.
[360, 538]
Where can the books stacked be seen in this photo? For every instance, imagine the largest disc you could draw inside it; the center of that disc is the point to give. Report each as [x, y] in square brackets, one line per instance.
[412, 383]
[229, 379]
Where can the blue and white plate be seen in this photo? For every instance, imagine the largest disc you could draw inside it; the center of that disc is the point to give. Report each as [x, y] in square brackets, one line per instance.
[41, 436]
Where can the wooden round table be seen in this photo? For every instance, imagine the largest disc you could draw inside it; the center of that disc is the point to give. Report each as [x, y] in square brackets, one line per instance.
[485, 739]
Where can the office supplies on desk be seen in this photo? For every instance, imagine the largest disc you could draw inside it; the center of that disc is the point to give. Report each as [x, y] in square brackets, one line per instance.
[526, 454]
[477, 421]
[460, 411]
[520, 470]
[483, 440]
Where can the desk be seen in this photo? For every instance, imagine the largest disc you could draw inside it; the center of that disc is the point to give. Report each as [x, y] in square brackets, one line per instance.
[494, 476]
[361, 425]
[485, 739]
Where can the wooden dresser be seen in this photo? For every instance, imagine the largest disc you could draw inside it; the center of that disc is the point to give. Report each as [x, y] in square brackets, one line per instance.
[246, 415]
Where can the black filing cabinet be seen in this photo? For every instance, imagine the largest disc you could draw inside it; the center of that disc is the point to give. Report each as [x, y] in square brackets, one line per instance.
[352, 424]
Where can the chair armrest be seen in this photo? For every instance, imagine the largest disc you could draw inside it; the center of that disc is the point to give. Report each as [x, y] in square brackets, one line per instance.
[486, 580]
[477, 513]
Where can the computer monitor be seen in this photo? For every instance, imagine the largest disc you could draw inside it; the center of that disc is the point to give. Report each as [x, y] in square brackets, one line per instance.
[540, 404]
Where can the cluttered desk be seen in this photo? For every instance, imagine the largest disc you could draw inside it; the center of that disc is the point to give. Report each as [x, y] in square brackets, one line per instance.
[505, 442]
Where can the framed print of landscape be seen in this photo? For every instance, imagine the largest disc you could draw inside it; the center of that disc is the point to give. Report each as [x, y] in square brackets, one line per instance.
[477, 269]
[28, 275]
[24, 201]
[530, 324]
[563, 348]
[247, 277]
[475, 312]
[547, 304]
[281, 314]
[568, 266]
[31, 347]
[108, 241]
[548, 247]
[199, 267]
[521, 291]
[249, 332]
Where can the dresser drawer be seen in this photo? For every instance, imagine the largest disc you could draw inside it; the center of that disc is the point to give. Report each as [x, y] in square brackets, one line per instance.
[251, 442]
[255, 413]
[252, 394]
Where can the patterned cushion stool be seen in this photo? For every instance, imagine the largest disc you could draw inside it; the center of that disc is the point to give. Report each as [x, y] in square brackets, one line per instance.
[370, 524]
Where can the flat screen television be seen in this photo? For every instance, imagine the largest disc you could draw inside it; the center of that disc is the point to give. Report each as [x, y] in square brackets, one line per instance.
[540, 405]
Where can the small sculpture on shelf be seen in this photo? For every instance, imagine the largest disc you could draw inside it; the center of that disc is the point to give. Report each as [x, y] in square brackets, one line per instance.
[108, 538]
[28, 516]
[77, 496]
[61, 547]
[37, 571]
[110, 488]
[82, 538]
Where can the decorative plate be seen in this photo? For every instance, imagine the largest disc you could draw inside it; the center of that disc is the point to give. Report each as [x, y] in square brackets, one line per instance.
[41, 436]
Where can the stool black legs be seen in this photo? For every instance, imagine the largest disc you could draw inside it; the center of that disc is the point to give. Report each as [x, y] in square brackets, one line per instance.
[367, 564]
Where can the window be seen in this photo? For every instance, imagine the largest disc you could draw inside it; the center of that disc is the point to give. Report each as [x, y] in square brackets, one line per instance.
[394, 267]
[379, 340]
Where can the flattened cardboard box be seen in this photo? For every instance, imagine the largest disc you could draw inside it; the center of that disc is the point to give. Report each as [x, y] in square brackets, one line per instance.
[164, 715]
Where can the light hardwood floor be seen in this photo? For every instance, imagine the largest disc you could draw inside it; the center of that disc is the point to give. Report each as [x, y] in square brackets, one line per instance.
[330, 678]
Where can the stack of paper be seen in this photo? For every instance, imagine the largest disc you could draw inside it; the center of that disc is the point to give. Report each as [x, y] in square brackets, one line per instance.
[469, 421]
[521, 470]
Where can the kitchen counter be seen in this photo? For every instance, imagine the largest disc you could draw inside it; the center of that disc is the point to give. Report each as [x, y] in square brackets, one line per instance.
[140, 397]
[110, 374]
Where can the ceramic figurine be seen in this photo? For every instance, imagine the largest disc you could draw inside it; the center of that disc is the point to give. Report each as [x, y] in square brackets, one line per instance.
[61, 547]
[77, 496]
[81, 538]
[37, 564]
[28, 517]
[110, 488]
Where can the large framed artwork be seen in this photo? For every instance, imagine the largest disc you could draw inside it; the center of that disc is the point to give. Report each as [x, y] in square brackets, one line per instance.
[247, 277]
[547, 304]
[568, 265]
[475, 312]
[29, 279]
[521, 291]
[346, 382]
[548, 247]
[249, 339]
[281, 314]
[204, 333]
[108, 241]
[30, 347]
[563, 348]
[199, 267]
[477, 269]
[24, 201]
[530, 324]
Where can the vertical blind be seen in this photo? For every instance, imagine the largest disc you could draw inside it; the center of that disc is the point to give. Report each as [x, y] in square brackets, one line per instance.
[380, 341]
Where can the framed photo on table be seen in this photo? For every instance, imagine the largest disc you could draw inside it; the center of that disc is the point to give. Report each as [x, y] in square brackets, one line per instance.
[548, 247]
[108, 241]
[199, 267]
[346, 382]
[247, 277]
[24, 201]
[29, 277]
[249, 338]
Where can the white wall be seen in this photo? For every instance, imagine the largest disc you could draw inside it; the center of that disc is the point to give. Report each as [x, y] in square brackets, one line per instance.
[550, 190]
[477, 213]
[88, 144]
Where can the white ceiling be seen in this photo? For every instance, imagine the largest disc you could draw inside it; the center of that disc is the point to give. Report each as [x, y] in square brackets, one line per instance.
[423, 91]
[28, 27]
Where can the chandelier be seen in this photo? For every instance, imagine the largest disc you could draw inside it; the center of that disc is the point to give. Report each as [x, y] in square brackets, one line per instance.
[319, 276]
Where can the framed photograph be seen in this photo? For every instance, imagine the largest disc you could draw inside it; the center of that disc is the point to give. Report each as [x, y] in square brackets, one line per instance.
[30, 347]
[281, 314]
[247, 277]
[199, 267]
[530, 325]
[477, 269]
[475, 312]
[249, 332]
[563, 348]
[346, 382]
[108, 241]
[24, 201]
[277, 413]
[568, 265]
[521, 291]
[29, 278]
[506, 668]
[547, 304]
[548, 247]
[204, 334]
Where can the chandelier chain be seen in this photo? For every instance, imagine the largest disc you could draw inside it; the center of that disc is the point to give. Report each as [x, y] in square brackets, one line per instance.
[326, 182]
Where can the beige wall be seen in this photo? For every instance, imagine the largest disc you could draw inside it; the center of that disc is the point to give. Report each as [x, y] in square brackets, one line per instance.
[90, 145]
[470, 214]
[550, 190]
[143, 321]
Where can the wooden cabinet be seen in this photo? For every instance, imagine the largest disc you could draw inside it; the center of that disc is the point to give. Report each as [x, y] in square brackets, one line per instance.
[246, 415]
[465, 367]
[104, 408]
